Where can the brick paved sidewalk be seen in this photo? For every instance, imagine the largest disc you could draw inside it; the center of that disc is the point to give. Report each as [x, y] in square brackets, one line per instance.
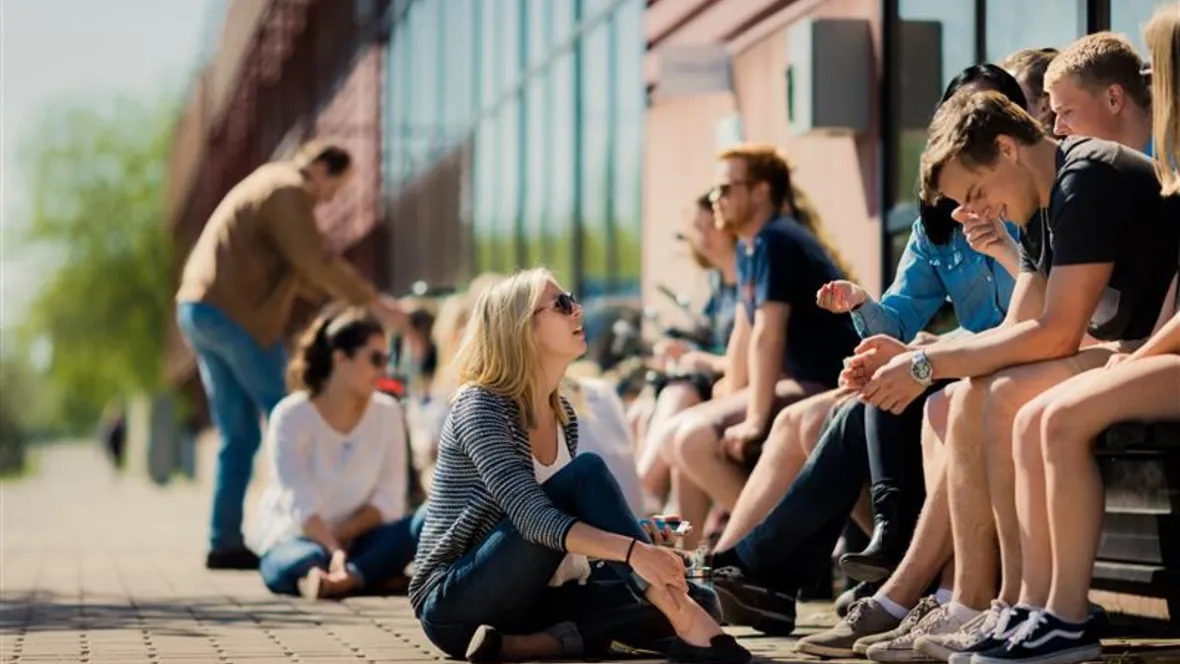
[104, 568]
[96, 567]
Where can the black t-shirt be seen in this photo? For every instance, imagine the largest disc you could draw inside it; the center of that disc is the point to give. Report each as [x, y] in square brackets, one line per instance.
[1106, 207]
[785, 263]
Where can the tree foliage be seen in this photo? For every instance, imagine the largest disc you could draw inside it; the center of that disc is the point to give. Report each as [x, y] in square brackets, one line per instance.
[94, 177]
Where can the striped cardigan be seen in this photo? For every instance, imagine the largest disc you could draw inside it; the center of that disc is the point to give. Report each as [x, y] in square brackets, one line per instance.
[484, 474]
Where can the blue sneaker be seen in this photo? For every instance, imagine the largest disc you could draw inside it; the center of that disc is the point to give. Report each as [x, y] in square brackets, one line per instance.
[1046, 639]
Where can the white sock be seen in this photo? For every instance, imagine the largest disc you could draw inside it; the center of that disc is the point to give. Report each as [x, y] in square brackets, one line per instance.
[961, 612]
[891, 607]
[944, 595]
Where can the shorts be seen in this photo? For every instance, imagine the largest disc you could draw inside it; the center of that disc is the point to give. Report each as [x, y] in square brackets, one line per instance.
[730, 410]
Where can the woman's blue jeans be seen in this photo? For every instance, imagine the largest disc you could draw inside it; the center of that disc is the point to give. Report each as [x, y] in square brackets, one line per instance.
[504, 581]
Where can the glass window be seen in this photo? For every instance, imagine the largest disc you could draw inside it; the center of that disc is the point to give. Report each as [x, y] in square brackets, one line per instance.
[1013, 25]
[511, 42]
[958, 53]
[459, 23]
[565, 17]
[489, 38]
[540, 20]
[483, 209]
[394, 114]
[596, 98]
[559, 230]
[631, 103]
[423, 33]
[538, 153]
[1130, 16]
[508, 162]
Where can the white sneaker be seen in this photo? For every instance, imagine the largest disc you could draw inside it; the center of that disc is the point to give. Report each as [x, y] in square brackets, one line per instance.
[901, 649]
[942, 646]
[1007, 621]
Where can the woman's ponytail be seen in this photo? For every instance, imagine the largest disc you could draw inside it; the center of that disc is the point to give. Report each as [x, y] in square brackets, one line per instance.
[311, 364]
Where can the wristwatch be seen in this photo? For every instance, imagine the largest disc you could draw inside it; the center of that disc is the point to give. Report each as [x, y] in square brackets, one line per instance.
[920, 368]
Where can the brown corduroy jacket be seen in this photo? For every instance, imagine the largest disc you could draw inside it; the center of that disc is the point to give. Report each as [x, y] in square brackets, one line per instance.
[260, 248]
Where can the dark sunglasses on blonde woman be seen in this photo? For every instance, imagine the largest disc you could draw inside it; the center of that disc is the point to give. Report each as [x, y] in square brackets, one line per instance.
[564, 304]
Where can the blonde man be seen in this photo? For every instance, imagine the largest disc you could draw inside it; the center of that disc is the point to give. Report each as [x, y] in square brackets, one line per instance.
[1098, 253]
[1097, 88]
[1058, 482]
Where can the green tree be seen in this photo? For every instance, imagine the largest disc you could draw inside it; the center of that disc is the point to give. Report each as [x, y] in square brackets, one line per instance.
[95, 177]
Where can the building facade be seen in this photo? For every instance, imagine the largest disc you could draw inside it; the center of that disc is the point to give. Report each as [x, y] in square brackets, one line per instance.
[722, 70]
[513, 136]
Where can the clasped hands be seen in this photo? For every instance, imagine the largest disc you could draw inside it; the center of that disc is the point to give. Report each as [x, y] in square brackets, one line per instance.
[880, 373]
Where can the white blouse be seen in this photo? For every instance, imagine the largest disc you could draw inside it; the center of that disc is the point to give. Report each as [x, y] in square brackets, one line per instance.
[317, 470]
[574, 566]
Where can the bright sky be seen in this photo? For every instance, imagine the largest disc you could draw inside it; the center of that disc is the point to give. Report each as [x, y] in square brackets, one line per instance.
[88, 49]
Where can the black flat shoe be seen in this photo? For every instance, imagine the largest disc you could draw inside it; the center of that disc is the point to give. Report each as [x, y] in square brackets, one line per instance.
[485, 645]
[231, 559]
[722, 649]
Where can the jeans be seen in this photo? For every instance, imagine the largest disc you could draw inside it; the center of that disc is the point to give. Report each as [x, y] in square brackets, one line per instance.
[243, 381]
[504, 581]
[794, 543]
[375, 557]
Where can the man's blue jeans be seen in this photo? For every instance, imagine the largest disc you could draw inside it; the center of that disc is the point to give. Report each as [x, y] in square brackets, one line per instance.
[504, 581]
[243, 381]
[375, 557]
[794, 543]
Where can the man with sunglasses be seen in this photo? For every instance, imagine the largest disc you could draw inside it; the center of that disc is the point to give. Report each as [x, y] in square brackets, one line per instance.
[783, 347]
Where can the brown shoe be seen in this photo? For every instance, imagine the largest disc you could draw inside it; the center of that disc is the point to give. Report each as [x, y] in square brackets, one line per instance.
[926, 605]
[865, 618]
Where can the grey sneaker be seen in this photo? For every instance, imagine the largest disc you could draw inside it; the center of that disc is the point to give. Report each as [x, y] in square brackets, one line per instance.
[865, 618]
[943, 643]
[901, 649]
[916, 614]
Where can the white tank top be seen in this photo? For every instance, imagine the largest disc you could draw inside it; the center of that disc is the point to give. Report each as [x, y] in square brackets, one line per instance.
[575, 566]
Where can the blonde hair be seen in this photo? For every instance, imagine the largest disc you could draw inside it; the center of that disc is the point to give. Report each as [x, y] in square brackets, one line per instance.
[1029, 65]
[1162, 36]
[1100, 60]
[498, 352]
[764, 163]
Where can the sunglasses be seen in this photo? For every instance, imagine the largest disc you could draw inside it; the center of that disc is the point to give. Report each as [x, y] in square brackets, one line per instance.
[379, 359]
[564, 304]
[722, 190]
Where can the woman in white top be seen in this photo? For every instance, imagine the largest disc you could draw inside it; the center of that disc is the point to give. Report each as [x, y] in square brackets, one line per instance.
[333, 519]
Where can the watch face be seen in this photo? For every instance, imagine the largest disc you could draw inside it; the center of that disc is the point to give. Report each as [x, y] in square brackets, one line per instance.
[921, 369]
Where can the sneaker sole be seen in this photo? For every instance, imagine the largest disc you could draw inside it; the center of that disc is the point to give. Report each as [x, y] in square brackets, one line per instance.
[822, 650]
[1071, 656]
[897, 655]
[738, 613]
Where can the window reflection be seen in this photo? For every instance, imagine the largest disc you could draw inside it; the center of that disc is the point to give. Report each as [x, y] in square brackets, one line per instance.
[596, 98]
[1130, 16]
[1013, 25]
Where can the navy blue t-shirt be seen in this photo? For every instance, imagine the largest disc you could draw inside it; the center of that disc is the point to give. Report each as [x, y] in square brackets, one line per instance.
[721, 310]
[787, 264]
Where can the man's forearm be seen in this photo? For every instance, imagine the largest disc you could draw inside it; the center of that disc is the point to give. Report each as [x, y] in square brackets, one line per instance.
[766, 358]
[986, 353]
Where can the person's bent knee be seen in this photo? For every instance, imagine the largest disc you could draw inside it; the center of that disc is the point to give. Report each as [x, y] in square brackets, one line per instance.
[692, 438]
[783, 430]
[1026, 435]
[1059, 435]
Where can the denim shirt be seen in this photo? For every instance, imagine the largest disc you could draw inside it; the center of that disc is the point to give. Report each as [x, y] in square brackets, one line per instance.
[928, 275]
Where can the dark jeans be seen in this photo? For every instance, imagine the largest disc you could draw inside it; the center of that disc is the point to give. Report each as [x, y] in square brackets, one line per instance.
[375, 557]
[794, 543]
[244, 382]
[504, 581]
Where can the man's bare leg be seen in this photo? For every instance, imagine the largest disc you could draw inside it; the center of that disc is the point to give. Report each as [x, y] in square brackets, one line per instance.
[972, 524]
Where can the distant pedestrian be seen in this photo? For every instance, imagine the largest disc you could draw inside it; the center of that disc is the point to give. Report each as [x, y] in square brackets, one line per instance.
[259, 250]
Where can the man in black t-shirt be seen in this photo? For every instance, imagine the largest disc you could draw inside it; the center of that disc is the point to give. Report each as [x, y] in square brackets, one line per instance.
[1099, 251]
